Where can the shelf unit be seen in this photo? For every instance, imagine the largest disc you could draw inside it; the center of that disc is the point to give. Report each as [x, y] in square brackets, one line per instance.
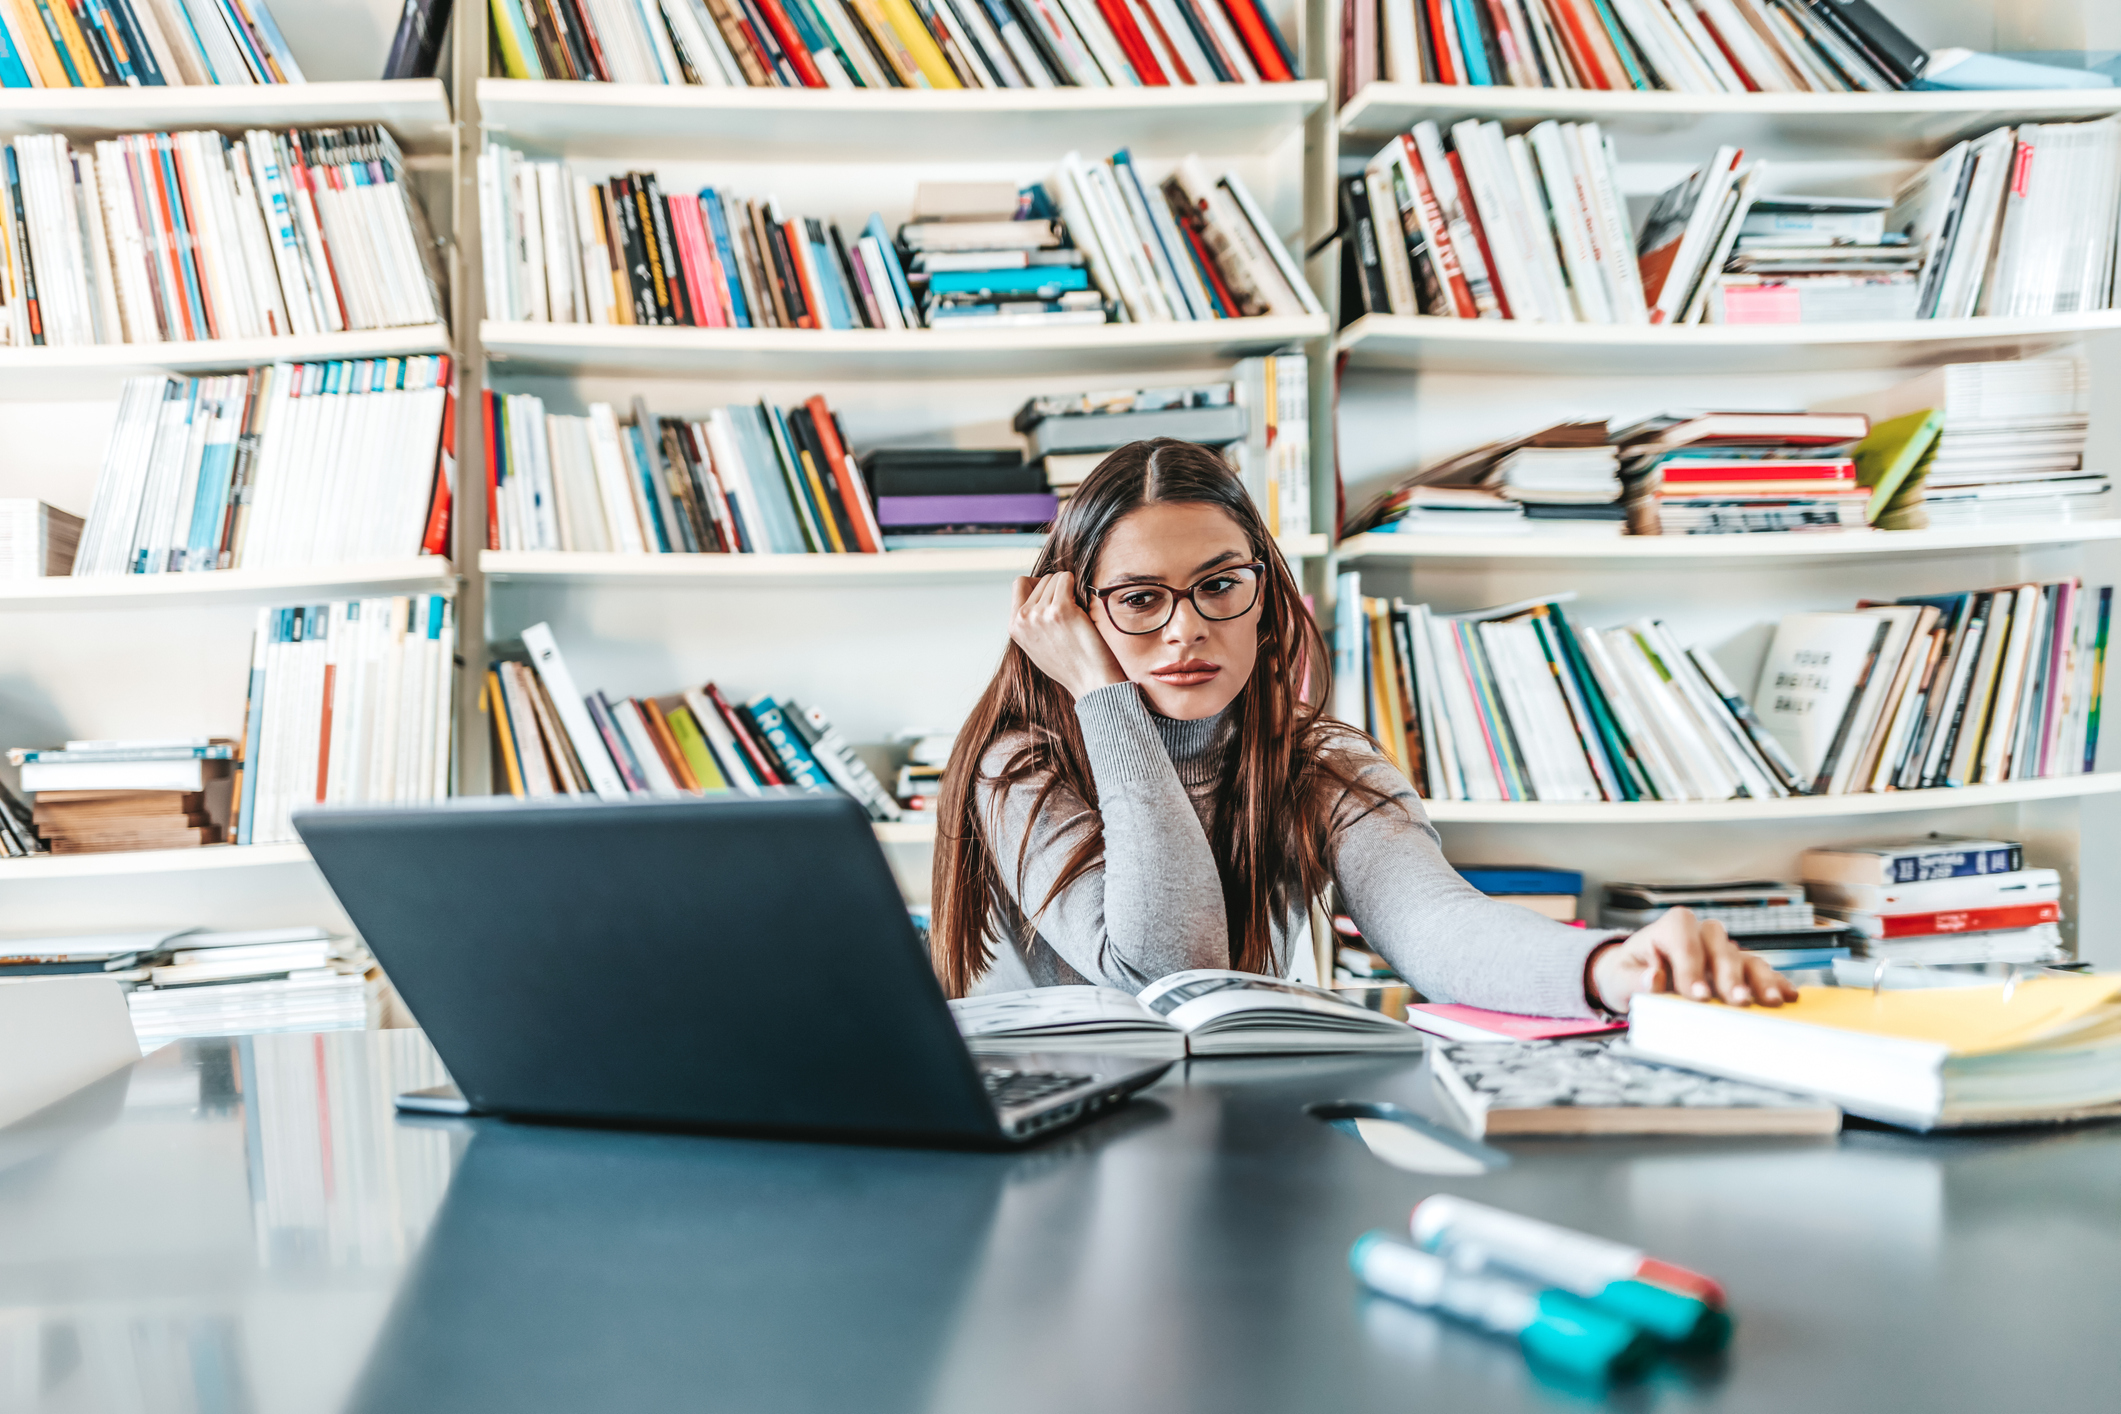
[1418, 389]
[419, 574]
[562, 119]
[848, 355]
[415, 110]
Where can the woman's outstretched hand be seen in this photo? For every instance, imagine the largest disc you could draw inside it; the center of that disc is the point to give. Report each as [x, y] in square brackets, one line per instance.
[1680, 953]
[1053, 629]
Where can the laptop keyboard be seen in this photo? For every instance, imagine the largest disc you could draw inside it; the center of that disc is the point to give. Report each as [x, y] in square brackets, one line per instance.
[1022, 1087]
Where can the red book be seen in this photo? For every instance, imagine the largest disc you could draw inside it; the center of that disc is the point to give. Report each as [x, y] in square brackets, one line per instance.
[1580, 47]
[853, 494]
[1480, 232]
[696, 260]
[791, 43]
[761, 760]
[1676, 472]
[1170, 50]
[1430, 212]
[493, 472]
[1442, 51]
[1258, 43]
[1968, 920]
[436, 539]
[798, 243]
[1209, 271]
[331, 675]
[1132, 43]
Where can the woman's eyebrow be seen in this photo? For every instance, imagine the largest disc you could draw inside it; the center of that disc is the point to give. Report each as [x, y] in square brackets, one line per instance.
[1211, 564]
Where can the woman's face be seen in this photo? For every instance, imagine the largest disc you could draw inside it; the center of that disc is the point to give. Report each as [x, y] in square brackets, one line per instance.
[1193, 666]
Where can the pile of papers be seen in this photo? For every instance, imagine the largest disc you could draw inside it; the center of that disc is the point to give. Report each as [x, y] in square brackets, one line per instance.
[185, 982]
[36, 540]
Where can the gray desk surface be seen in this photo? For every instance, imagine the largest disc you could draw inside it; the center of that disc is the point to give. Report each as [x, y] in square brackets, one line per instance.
[245, 1226]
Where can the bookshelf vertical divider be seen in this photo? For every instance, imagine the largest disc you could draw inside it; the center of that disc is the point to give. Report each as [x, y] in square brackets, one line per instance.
[467, 307]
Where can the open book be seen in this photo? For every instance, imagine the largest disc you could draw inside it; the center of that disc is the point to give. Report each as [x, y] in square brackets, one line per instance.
[1204, 1012]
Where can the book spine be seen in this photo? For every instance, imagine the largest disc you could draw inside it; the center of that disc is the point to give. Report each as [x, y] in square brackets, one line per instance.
[795, 762]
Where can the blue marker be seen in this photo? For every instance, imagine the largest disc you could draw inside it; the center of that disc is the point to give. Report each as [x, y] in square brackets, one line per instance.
[1556, 1329]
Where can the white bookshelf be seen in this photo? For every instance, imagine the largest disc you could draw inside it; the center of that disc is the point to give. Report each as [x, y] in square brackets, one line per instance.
[1424, 343]
[850, 355]
[1417, 390]
[1888, 122]
[416, 111]
[708, 572]
[565, 119]
[419, 574]
[125, 864]
[50, 367]
[1698, 553]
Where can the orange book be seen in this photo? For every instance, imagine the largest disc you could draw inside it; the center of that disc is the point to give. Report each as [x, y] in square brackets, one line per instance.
[42, 57]
[491, 700]
[853, 493]
[659, 732]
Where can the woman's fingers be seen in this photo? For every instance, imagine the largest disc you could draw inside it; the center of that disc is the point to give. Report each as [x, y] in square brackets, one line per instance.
[1769, 986]
[1683, 950]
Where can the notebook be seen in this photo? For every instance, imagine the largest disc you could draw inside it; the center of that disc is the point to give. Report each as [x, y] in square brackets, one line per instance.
[2045, 1049]
[1591, 1087]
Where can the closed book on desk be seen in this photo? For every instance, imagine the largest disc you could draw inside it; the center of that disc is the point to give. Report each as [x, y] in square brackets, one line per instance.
[2046, 1050]
[1589, 1087]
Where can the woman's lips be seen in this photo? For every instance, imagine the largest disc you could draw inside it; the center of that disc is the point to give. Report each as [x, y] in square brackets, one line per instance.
[1190, 673]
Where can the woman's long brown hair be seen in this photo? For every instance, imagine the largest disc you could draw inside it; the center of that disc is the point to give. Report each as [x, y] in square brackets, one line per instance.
[1287, 771]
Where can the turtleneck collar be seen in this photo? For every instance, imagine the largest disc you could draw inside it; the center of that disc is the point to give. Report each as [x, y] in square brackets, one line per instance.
[1196, 747]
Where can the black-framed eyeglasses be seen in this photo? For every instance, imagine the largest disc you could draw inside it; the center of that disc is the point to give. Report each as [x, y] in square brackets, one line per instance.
[1143, 607]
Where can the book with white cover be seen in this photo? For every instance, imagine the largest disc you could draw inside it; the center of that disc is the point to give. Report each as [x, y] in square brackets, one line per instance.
[568, 701]
[1809, 680]
[1935, 895]
[1201, 1012]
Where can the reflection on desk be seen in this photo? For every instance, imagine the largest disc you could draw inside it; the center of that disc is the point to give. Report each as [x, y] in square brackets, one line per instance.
[246, 1226]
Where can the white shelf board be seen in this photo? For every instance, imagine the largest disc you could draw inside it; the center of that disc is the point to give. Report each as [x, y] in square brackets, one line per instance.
[706, 572]
[1698, 551]
[53, 370]
[1907, 122]
[415, 110]
[299, 584]
[572, 119]
[121, 863]
[1426, 342]
[836, 354]
[1802, 807]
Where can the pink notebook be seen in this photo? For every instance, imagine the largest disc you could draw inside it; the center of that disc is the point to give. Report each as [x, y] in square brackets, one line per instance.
[1472, 1023]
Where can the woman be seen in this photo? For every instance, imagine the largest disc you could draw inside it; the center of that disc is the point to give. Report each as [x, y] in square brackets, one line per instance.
[1148, 785]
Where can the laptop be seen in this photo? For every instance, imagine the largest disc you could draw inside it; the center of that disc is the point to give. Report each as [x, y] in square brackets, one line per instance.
[732, 963]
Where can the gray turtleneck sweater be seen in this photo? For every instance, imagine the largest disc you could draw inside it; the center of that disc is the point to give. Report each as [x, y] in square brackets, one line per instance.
[1154, 905]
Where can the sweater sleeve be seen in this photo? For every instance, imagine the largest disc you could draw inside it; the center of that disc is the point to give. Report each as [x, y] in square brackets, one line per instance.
[1153, 905]
[1454, 943]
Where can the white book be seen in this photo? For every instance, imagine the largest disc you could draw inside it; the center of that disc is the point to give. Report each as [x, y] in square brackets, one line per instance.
[1067, 45]
[1171, 26]
[1071, 194]
[1870, 709]
[727, 754]
[110, 321]
[1262, 232]
[1477, 769]
[1158, 258]
[1125, 242]
[730, 467]
[623, 513]
[568, 701]
[1539, 233]
[1386, 222]
[1809, 679]
[661, 783]
[1201, 1012]
[562, 248]
[1567, 202]
[1747, 47]
[1733, 221]
[2011, 674]
[1611, 213]
[1233, 48]
[1702, 48]
[1097, 36]
[1491, 194]
[1705, 705]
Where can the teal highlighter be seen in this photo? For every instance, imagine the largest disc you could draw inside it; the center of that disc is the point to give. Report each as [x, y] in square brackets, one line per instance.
[1556, 1330]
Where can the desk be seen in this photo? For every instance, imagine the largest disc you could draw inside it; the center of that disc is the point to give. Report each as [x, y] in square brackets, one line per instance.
[245, 1226]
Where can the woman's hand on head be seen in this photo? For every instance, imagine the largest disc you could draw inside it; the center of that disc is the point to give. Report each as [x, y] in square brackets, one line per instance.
[1681, 953]
[1062, 642]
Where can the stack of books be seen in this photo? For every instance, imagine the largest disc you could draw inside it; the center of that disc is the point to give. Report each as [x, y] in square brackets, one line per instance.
[1706, 46]
[36, 540]
[741, 480]
[18, 827]
[1096, 242]
[1516, 703]
[1551, 893]
[920, 777]
[1261, 420]
[206, 236]
[1940, 690]
[350, 703]
[141, 43]
[1564, 481]
[2007, 443]
[251, 983]
[958, 498]
[551, 739]
[894, 44]
[296, 464]
[1735, 473]
[1940, 901]
[1532, 227]
[1575, 488]
[1760, 915]
[93, 797]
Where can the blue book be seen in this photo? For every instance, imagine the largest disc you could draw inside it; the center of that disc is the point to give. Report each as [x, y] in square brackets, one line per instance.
[290, 71]
[1032, 280]
[271, 627]
[615, 741]
[644, 468]
[892, 267]
[217, 464]
[183, 241]
[96, 15]
[789, 751]
[13, 72]
[718, 225]
[1800, 959]
[1470, 44]
[839, 302]
[812, 516]
[762, 467]
[1520, 879]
